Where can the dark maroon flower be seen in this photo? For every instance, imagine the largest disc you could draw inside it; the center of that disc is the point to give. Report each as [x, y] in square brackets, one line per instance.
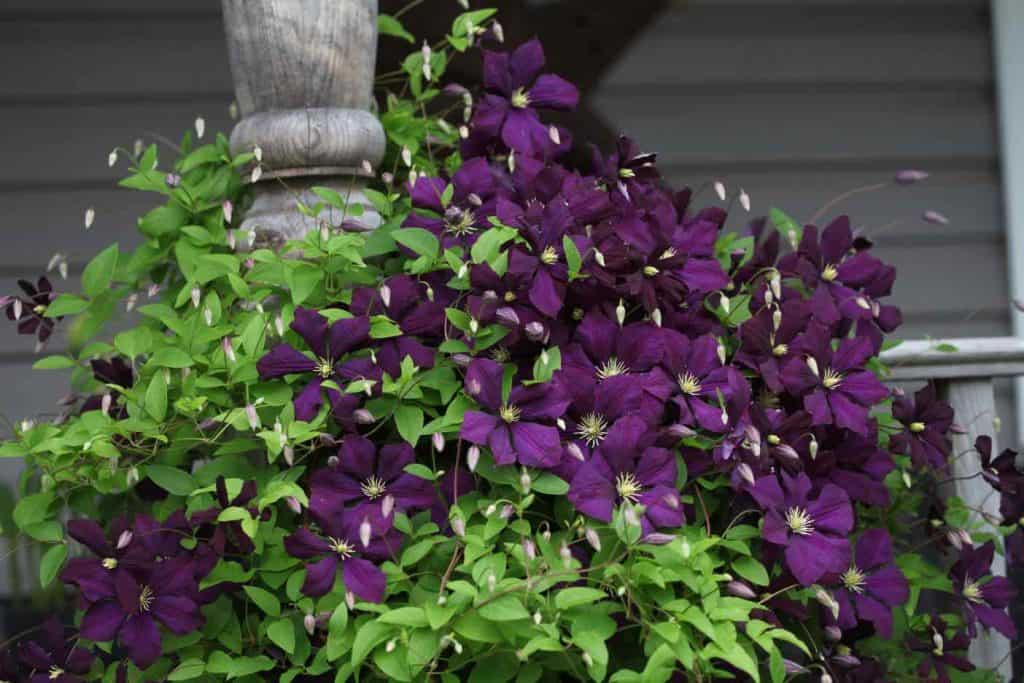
[872, 586]
[926, 421]
[53, 660]
[457, 223]
[519, 429]
[367, 477]
[812, 526]
[835, 387]
[766, 340]
[329, 344]
[855, 464]
[140, 601]
[338, 549]
[625, 468]
[625, 166]
[515, 90]
[983, 597]
[29, 311]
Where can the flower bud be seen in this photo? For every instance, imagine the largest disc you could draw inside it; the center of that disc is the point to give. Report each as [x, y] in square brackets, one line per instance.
[112, 158]
[630, 516]
[364, 531]
[124, 539]
[406, 156]
[525, 481]
[257, 173]
[536, 331]
[740, 590]
[293, 504]
[620, 313]
[195, 295]
[505, 315]
[507, 511]
[252, 416]
[910, 176]
[934, 217]
[472, 457]
[720, 190]
[833, 633]
[438, 441]
[90, 216]
[720, 349]
[574, 451]
[529, 549]
[813, 365]
[289, 455]
[593, 538]
[459, 527]
[565, 554]
[744, 200]
[309, 623]
[105, 403]
[812, 448]
[656, 317]
[746, 473]
[827, 601]
[537, 618]
[599, 258]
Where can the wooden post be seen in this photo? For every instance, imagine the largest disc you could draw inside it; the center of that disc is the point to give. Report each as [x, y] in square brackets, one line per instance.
[303, 73]
[964, 378]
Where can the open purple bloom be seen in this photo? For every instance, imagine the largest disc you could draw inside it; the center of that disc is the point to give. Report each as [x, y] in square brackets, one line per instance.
[855, 464]
[29, 311]
[365, 476]
[139, 603]
[813, 527]
[625, 468]
[53, 660]
[766, 340]
[329, 344]
[872, 585]
[339, 549]
[835, 387]
[515, 90]
[983, 597]
[404, 300]
[520, 429]
[626, 166]
[474, 189]
[708, 393]
[926, 421]
[940, 651]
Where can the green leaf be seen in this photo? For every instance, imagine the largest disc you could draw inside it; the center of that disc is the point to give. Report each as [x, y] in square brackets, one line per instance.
[409, 421]
[171, 357]
[336, 632]
[421, 241]
[550, 484]
[405, 616]
[580, 595]
[369, 636]
[51, 563]
[420, 470]
[505, 608]
[265, 600]
[282, 634]
[387, 25]
[32, 509]
[751, 570]
[156, 397]
[171, 479]
[489, 243]
[99, 273]
[187, 670]
[572, 257]
[66, 304]
[54, 363]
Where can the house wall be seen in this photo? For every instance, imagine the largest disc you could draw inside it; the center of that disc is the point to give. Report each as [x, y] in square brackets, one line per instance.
[794, 101]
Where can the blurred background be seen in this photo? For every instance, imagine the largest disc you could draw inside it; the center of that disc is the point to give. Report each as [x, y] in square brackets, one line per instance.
[795, 101]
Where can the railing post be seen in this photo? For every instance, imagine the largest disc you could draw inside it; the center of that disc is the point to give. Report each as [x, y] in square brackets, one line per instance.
[303, 73]
[974, 401]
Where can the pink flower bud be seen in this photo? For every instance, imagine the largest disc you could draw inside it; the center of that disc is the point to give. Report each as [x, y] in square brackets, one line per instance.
[459, 527]
[746, 474]
[536, 331]
[658, 538]
[833, 633]
[740, 590]
[438, 441]
[575, 451]
[252, 416]
[309, 623]
[679, 431]
[473, 457]
[363, 416]
[508, 316]
[910, 176]
[229, 349]
[364, 531]
[934, 217]
[228, 208]
[333, 462]
[293, 504]
[124, 539]
[529, 549]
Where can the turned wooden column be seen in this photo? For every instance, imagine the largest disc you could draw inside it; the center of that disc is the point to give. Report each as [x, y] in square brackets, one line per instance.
[303, 72]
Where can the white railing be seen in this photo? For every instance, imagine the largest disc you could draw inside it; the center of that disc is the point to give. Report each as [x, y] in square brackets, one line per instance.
[964, 371]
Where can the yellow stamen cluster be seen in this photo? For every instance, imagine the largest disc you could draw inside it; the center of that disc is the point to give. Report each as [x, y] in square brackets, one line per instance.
[592, 429]
[324, 367]
[854, 579]
[519, 99]
[549, 256]
[146, 598]
[689, 384]
[831, 379]
[628, 486]
[829, 273]
[612, 368]
[373, 487]
[341, 547]
[510, 413]
[799, 521]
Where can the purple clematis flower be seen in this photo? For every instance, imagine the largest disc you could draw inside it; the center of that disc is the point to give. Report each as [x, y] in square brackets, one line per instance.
[139, 602]
[766, 340]
[329, 343]
[708, 393]
[404, 300]
[984, 598]
[872, 586]
[835, 387]
[855, 464]
[812, 527]
[626, 166]
[625, 468]
[941, 651]
[515, 90]
[362, 578]
[520, 429]
[926, 421]
[53, 661]
[365, 476]
[457, 223]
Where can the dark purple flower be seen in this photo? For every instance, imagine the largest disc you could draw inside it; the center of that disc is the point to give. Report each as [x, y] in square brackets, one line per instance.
[626, 166]
[872, 586]
[766, 340]
[367, 477]
[329, 344]
[983, 597]
[29, 311]
[362, 577]
[53, 660]
[708, 393]
[855, 464]
[457, 223]
[515, 90]
[940, 651]
[926, 421]
[625, 468]
[140, 601]
[404, 300]
[520, 429]
[812, 527]
[835, 387]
